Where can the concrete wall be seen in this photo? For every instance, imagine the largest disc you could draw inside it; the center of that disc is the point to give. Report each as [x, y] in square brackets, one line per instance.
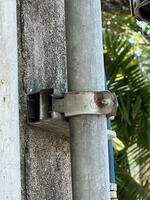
[45, 159]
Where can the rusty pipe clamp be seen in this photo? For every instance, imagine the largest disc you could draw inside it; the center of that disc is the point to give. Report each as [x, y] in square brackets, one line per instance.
[90, 103]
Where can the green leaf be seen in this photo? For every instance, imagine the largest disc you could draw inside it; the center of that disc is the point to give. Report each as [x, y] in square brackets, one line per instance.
[136, 107]
[118, 144]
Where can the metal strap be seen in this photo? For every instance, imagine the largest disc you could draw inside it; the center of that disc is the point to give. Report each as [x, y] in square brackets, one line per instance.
[90, 103]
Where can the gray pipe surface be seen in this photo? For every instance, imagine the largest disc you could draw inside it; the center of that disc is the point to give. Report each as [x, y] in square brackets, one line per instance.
[10, 176]
[89, 145]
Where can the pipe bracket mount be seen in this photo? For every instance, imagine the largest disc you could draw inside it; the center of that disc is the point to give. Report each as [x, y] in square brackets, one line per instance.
[113, 191]
[90, 103]
[50, 111]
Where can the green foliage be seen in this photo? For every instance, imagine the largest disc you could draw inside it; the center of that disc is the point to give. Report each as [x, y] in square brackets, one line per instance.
[127, 76]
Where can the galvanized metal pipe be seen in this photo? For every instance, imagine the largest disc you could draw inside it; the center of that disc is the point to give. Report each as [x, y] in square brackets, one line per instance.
[89, 145]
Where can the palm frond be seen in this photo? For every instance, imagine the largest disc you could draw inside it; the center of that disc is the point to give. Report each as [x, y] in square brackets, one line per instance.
[128, 80]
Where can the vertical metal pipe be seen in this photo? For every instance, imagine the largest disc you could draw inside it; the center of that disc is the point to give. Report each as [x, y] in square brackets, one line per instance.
[10, 186]
[89, 145]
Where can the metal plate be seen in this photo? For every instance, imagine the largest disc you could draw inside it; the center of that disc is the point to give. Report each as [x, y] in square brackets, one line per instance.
[113, 195]
[111, 134]
[113, 186]
[57, 127]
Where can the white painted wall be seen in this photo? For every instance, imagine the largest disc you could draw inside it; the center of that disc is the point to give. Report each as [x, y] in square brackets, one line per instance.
[10, 187]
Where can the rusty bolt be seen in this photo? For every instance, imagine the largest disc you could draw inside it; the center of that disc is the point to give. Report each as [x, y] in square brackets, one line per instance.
[101, 100]
[98, 97]
[106, 101]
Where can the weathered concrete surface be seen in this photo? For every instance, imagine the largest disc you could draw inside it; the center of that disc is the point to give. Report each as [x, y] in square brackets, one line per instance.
[47, 167]
[45, 159]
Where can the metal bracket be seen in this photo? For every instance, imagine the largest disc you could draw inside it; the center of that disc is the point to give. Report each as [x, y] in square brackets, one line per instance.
[41, 112]
[111, 134]
[90, 103]
[113, 191]
[49, 111]
[39, 105]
